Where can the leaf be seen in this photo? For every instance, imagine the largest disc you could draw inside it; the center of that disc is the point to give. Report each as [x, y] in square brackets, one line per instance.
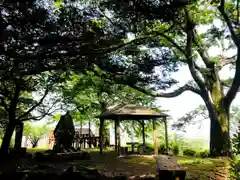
[27, 101]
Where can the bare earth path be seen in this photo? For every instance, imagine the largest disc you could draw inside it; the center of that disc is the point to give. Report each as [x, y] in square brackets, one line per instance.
[108, 163]
[197, 168]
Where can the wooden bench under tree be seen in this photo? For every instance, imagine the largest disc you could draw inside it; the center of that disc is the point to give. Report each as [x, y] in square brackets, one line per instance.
[167, 168]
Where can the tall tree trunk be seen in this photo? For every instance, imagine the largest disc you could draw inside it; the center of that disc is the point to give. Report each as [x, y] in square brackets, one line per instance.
[103, 108]
[7, 139]
[219, 133]
[11, 118]
[219, 121]
[18, 135]
[34, 144]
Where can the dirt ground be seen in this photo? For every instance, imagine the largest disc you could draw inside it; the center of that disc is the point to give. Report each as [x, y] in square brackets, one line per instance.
[108, 163]
[197, 168]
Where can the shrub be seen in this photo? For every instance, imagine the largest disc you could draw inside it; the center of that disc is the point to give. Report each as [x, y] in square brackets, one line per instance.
[162, 149]
[234, 171]
[204, 154]
[148, 148]
[189, 152]
[175, 149]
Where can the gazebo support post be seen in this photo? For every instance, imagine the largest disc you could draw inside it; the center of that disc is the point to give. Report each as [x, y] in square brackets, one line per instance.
[101, 135]
[166, 133]
[134, 112]
[155, 138]
[115, 130]
[143, 133]
[89, 134]
[132, 136]
[118, 135]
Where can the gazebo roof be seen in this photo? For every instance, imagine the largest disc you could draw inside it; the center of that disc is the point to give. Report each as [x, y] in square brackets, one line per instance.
[131, 112]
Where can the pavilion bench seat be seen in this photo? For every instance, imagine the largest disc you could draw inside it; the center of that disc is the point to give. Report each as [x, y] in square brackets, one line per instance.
[167, 168]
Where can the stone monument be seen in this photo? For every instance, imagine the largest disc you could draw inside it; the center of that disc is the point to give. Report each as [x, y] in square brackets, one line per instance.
[64, 134]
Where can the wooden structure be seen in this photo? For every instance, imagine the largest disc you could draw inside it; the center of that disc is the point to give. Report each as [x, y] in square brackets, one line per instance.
[168, 168]
[135, 113]
[84, 138]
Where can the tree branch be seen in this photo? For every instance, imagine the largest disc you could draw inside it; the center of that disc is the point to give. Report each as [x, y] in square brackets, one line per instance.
[36, 105]
[171, 41]
[227, 86]
[190, 62]
[14, 100]
[231, 94]
[201, 51]
[3, 103]
[136, 41]
[6, 93]
[228, 61]
[47, 113]
[175, 93]
[221, 8]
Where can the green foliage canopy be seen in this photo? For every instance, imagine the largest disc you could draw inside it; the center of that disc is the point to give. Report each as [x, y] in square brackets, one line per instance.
[34, 133]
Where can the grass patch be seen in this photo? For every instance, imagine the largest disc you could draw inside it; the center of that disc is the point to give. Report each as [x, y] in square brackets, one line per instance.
[31, 150]
[139, 160]
[204, 168]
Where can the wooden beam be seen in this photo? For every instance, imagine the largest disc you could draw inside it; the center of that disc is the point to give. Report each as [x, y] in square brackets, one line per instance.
[166, 133]
[143, 132]
[89, 134]
[155, 138]
[132, 136]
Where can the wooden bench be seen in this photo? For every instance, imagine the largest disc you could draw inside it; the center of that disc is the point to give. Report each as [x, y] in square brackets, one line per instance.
[133, 146]
[167, 168]
[123, 150]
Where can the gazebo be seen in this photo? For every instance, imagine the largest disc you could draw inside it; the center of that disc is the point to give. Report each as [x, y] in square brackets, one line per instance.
[135, 113]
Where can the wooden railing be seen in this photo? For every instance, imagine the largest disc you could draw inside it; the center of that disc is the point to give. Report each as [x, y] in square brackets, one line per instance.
[80, 141]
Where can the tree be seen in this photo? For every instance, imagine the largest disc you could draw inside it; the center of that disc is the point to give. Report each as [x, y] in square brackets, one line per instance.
[199, 114]
[182, 40]
[193, 117]
[38, 37]
[18, 104]
[92, 95]
[87, 91]
[31, 45]
[34, 133]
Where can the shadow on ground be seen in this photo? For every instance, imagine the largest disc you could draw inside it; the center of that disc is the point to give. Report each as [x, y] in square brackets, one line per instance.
[109, 164]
